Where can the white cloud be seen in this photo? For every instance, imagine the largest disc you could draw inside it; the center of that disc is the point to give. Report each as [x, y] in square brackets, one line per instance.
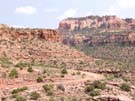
[111, 11]
[88, 13]
[51, 10]
[69, 13]
[28, 10]
[126, 3]
[18, 26]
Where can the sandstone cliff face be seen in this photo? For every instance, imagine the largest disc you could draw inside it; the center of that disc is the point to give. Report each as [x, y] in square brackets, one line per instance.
[105, 22]
[29, 34]
[95, 40]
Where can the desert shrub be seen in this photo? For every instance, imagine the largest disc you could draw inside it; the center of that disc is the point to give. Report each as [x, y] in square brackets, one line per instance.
[93, 88]
[81, 62]
[89, 88]
[51, 99]
[34, 95]
[39, 79]
[20, 98]
[48, 89]
[22, 64]
[13, 73]
[14, 95]
[99, 85]
[44, 71]
[30, 69]
[62, 75]
[125, 87]
[95, 85]
[64, 71]
[19, 90]
[94, 93]
[5, 62]
[50, 93]
[78, 73]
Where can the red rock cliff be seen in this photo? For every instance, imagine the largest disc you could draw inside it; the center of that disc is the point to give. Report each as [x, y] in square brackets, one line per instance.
[8, 33]
[104, 22]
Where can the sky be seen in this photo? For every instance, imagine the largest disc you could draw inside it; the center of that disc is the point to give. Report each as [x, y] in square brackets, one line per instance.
[48, 13]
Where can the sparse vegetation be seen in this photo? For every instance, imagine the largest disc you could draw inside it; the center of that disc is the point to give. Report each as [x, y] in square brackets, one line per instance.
[30, 69]
[99, 85]
[22, 64]
[5, 62]
[39, 79]
[64, 71]
[48, 89]
[34, 95]
[13, 73]
[125, 87]
[20, 98]
[93, 88]
[94, 93]
[15, 91]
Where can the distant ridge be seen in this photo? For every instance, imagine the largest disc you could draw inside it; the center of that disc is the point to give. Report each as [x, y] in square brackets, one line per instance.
[97, 22]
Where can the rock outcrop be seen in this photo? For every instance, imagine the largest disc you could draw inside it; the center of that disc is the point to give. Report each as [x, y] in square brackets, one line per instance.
[97, 22]
[19, 34]
[96, 40]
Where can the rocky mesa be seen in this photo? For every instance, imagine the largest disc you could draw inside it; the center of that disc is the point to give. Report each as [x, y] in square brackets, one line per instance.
[10, 33]
[97, 22]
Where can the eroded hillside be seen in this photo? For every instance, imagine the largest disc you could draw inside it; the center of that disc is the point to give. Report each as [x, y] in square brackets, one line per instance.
[36, 65]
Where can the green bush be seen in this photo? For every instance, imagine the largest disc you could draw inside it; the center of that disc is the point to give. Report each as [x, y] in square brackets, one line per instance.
[125, 87]
[39, 79]
[95, 85]
[50, 93]
[48, 89]
[89, 88]
[64, 71]
[30, 69]
[99, 85]
[20, 98]
[34, 95]
[15, 91]
[22, 64]
[5, 62]
[13, 73]
[93, 88]
[94, 93]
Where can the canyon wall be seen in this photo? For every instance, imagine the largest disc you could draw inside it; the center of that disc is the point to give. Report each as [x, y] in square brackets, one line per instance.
[95, 40]
[9, 33]
[97, 22]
